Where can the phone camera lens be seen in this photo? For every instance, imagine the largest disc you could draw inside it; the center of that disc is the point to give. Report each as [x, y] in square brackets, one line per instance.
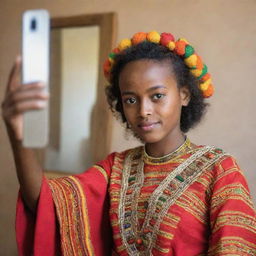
[33, 24]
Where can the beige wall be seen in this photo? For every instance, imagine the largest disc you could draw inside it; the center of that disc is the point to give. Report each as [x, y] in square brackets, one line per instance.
[223, 32]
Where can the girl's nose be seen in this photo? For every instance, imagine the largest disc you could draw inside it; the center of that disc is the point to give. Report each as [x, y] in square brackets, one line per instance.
[145, 109]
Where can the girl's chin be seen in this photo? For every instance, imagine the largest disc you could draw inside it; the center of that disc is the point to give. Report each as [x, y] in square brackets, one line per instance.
[148, 138]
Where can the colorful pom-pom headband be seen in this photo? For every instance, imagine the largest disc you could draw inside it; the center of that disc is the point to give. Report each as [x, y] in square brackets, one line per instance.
[181, 47]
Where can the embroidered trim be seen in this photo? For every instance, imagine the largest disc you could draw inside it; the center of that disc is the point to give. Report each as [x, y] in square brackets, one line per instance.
[102, 171]
[184, 148]
[232, 245]
[160, 200]
[71, 206]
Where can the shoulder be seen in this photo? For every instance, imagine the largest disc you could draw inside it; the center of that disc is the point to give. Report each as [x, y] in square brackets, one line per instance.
[219, 158]
[225, 169]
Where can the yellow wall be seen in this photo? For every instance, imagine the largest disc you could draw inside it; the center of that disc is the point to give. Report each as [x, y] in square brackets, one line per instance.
[223, 32]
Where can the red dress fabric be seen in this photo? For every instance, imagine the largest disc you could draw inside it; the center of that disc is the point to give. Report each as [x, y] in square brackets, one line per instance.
[192, 202]
[37, 235]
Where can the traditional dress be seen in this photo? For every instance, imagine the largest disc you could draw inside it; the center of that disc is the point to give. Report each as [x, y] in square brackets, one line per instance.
[194, 201]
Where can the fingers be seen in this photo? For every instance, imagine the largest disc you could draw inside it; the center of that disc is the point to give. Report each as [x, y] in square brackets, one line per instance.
[26, 88]
[16, 110]
[14, 77]
[26, 95]
[25, 98]
[33, 91]
[25, 106]
[24, 102]
[30, 95]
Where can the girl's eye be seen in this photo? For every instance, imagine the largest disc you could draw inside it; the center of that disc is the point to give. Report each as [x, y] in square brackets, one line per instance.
[158, 96]
[130, 101]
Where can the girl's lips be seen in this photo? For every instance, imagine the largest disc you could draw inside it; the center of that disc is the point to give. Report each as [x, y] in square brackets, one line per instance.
[147, 126]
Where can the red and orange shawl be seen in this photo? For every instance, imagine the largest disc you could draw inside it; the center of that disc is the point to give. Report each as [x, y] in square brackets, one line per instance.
[194, 201]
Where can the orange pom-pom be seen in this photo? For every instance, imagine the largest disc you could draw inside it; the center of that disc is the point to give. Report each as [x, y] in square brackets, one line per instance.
[139, 37]
[206, 77]
[199, 63]
[184, 40]
[166, 38]
[209, 92]
[180, 47]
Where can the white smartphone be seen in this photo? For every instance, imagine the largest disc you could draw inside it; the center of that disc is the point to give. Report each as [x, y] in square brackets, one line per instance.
[35, 67]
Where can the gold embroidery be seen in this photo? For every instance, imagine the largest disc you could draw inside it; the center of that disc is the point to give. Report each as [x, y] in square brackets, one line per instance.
[229, 192]
[162, 250]
[102, 171]
[227, 172]
[132, 180]
[194, 205]
[232, 245]
[236, 219]
[184, 148]
[165, 234]
[72, 214]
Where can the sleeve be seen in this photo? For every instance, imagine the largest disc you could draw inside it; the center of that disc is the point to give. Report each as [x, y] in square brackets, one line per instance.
[71, 218]
[232, 215]
[36, 234]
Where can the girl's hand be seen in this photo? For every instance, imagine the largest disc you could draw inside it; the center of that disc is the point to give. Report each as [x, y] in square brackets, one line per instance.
[20, 98]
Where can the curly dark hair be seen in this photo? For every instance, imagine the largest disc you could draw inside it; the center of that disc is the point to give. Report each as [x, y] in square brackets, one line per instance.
[190, 114]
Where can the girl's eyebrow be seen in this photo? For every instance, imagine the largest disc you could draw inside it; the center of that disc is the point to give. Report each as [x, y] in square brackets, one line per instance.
[148, 90]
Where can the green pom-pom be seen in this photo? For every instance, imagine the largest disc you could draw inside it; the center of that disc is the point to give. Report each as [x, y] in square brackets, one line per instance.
[112, 55]
[189, 50]
[204, 71]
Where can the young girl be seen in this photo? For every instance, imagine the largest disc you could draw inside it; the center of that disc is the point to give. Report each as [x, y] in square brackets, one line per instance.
[168, 197]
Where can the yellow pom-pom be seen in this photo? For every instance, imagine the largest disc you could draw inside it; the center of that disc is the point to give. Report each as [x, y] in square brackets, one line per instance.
[111, 60]
[206, 83]
[191, 61]
[153, 37]
[203, 87]
[171, 45]
[125, 43]
[196, 72]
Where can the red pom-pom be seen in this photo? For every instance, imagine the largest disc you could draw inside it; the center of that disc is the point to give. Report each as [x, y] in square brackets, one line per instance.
[206, 77]
[107, 64]
[166, 38]
[106, 68]
[116, 50]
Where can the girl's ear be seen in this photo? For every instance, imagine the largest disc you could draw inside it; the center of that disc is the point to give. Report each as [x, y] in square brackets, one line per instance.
[184, 95]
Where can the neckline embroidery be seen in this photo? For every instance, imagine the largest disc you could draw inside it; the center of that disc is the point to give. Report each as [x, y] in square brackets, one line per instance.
[140, 241]
[185, 147]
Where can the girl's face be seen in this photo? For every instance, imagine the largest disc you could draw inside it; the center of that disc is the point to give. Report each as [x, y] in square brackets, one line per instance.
[151, 100]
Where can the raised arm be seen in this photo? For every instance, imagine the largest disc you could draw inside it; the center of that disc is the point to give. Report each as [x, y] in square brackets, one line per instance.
[18, 99]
